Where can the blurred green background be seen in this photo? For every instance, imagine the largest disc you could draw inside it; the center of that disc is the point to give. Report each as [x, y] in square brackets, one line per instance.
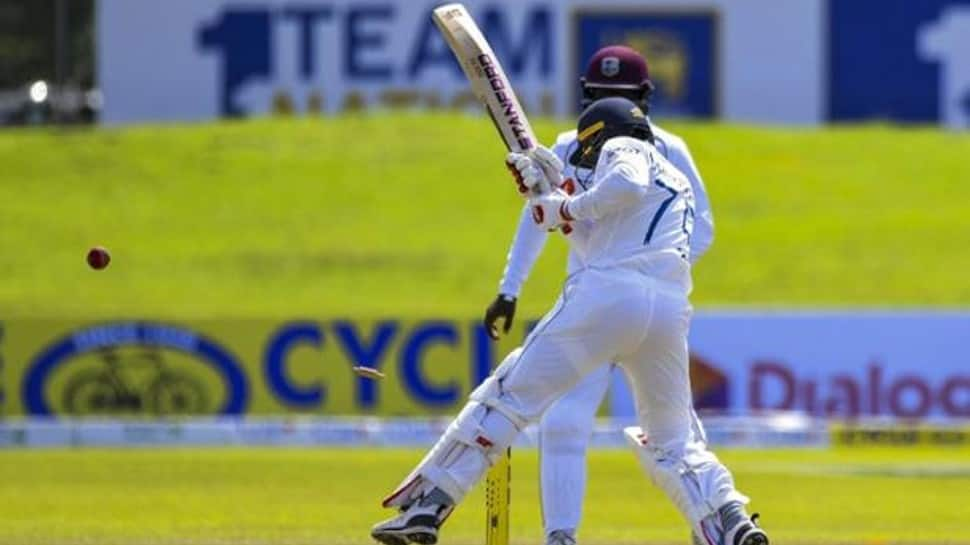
[411, 215]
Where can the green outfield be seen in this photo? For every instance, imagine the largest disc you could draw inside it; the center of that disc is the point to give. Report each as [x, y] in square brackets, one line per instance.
[412, 214]
[296, 496]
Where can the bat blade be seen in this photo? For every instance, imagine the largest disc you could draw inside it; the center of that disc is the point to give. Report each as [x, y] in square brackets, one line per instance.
[486, 75]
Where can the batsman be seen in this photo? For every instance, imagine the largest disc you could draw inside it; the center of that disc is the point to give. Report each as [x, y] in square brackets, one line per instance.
[626, 303]
[565, 429]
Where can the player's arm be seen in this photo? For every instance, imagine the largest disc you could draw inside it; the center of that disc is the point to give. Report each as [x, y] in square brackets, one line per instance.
[523, 253]
[703, 234]
[623, 184]
[529, 240]
[526, 246]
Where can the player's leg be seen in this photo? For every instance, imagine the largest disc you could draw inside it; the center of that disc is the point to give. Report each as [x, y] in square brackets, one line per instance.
[595, 316]
[674, 450]
[474, 441]
[564, 434]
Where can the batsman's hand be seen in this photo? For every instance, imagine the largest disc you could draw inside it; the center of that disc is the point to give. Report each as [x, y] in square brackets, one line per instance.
[536, 171]
[549, 163]
[551, 211]
[502, 307]
[529, 178]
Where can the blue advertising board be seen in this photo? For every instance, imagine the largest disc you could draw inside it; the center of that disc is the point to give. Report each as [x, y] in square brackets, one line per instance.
[900, 60]
[681, 47]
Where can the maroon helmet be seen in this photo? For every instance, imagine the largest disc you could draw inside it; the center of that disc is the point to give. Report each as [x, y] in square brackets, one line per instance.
[617, 70]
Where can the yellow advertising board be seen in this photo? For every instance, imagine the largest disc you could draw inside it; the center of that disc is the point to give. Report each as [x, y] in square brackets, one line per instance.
[906, 435]
[143, 368]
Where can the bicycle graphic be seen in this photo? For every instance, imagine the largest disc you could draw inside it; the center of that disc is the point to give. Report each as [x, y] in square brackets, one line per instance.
[111, 389]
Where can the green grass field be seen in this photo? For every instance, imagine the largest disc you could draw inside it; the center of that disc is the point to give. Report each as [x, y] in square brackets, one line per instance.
[296, 496]
[412, 215]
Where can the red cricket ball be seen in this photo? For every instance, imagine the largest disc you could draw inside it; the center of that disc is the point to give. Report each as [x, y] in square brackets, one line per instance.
[98, 257]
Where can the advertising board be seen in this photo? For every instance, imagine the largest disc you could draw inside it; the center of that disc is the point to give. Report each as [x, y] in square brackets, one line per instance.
[900, 60]
[144, 368]
[200, 59]
[843, 365]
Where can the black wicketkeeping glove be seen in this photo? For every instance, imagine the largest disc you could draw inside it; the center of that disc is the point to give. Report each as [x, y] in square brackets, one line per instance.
[502, 307]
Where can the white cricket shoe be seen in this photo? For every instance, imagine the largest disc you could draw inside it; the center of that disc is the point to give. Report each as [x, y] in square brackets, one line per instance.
[416, 523]
[560, 537]
[746, 532]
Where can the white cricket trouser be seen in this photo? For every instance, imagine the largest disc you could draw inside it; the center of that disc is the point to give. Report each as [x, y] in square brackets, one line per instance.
[617, 315]
[564, 434]
[620, 315]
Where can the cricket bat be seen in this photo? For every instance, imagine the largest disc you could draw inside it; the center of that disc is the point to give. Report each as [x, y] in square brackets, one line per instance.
[486, 76]
[492, 87]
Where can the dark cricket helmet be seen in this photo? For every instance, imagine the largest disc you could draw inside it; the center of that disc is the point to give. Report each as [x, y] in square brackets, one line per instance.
[605, 119]
[617, 70]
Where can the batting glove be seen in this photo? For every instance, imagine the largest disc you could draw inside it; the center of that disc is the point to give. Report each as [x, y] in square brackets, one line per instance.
[535, 171]
[549, 163]
[551, 210]
[503, 307]
[529, 178]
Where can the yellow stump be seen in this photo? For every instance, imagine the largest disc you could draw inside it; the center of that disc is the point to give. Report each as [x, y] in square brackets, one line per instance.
[498, 495]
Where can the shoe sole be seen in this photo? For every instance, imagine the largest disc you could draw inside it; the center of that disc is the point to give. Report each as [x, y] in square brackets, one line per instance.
[757, 538]
[389, 539]
[422, 537]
